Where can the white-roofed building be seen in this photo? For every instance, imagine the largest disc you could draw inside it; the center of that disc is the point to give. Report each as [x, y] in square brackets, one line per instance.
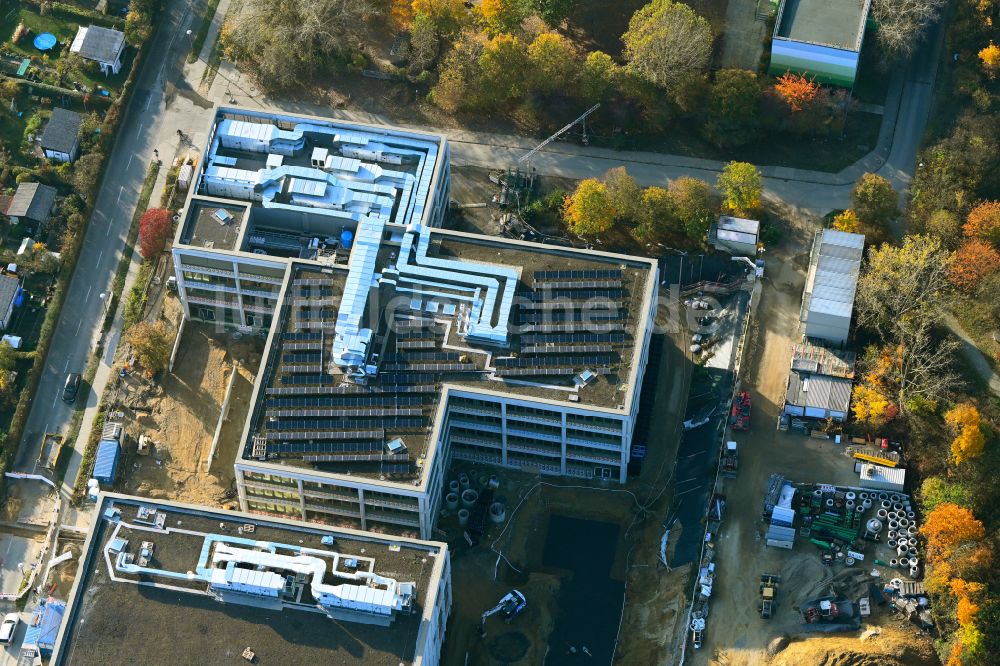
[735, 235]
[828, 298]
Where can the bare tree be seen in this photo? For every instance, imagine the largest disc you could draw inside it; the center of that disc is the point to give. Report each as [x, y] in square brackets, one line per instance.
[282, 43]
[901, 23]
[666, 43]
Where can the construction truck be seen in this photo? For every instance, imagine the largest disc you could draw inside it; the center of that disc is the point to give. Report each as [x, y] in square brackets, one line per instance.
[739, 414]
[697, 632]
[730, 460]
[511, 605]
[768, 595]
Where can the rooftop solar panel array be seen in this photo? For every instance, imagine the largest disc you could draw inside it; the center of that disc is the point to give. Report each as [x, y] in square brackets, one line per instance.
[599, 274]
[570, 321]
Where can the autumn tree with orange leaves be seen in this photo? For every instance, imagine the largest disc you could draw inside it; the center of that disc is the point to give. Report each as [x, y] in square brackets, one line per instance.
[871, 399]
[983, 223]
[796, 90]
[956, 556]
[955, 540]
[973, 262]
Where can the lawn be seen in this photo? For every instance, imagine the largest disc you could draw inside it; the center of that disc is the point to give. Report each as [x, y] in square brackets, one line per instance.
[12, 128]
[65, 29]
[819, 154]
[977, 323]
[871, 84]
[596, 27]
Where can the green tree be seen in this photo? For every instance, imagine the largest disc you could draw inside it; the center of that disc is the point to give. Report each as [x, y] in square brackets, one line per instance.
[903, 286]
[500, 16]
[503, 63]
[459, 86]
[554, 12]
[425, 44]
[900, 297]
[152, 342]
[733, 114]
[741, 187]
[656, 217]
[588, 211]
[87, 173]
[448, 16]
[623, 194]
[553, 63]
[8, 361]
[666, 42]
[945, 225]
[598, 77]
[937, 490]
[875, 202]
[692, 202]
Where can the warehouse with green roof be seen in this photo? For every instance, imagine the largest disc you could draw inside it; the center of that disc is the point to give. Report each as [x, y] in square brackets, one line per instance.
[820, 39]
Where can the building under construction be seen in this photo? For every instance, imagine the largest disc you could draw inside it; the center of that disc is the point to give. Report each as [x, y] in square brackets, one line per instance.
[394, 347]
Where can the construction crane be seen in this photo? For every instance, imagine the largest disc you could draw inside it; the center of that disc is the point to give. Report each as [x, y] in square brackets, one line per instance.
[582, 119]
[510, 605]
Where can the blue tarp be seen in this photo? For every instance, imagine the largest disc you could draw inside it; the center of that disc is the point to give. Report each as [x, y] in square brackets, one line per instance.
[106, 462]
[44, 626]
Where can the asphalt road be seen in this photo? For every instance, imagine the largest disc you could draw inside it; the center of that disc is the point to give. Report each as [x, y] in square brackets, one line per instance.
[77, 332]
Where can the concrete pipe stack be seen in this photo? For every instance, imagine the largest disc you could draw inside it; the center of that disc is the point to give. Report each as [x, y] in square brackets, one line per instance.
[463, 481]
[451, 501]
[497, 512]
[453, 486]
[463, 517]
[469, 497]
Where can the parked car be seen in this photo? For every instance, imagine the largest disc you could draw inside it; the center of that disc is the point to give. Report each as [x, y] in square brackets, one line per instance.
[8, 627]
[71, 387]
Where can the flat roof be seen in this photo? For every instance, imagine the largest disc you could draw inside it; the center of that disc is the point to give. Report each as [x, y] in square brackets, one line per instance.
[821, 391]
[373, 284]
[739, 225]
[834, 267]
[206, 227]
[116, 617]
[836, 23]
[573, 311]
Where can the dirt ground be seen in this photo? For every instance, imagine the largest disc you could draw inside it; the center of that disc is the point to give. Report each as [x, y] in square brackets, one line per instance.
[183, 412]
[654, 597]
[61, 577]
[891, 644]
[735, 635]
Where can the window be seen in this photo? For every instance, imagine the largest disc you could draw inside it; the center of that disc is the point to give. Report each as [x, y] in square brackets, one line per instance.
[206, 314]
[254, 320]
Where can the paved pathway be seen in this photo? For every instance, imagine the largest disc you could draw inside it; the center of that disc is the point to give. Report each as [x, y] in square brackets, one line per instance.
[743, 40]
[974, 355]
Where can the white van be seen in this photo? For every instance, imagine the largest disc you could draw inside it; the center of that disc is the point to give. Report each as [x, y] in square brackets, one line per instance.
[8, 627]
